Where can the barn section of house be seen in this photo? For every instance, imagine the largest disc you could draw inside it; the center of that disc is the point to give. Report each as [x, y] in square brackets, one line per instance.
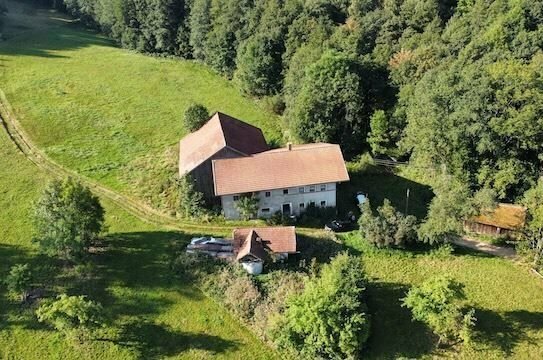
[221, 137]
[287, 180]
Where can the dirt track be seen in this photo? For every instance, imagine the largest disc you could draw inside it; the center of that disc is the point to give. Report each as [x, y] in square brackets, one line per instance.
[135, 207]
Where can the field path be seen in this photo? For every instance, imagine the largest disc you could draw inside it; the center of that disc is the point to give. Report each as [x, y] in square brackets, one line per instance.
[505, 252]
[148, 214]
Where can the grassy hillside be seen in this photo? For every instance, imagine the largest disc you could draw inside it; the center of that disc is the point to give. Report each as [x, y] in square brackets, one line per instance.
[102, 110]
[153, 315]
[506, 297]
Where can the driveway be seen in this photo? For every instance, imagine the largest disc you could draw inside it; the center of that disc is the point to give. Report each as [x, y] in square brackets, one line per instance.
[505, 252]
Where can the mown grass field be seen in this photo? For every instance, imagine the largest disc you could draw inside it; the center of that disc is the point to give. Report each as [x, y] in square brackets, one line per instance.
[153, 314]
[102, 110]
[506, 296]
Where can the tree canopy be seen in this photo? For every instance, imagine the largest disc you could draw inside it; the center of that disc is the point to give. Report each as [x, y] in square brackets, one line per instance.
[329, 319]
[449, 84]
[67, 219]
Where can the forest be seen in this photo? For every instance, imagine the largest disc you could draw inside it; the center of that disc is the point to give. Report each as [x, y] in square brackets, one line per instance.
[454, 86]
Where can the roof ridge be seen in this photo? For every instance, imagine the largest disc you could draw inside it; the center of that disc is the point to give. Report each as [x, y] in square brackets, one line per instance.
[223, 135]
[230, 117]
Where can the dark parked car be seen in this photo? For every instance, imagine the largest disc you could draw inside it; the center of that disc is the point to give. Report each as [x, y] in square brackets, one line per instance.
[338, 226]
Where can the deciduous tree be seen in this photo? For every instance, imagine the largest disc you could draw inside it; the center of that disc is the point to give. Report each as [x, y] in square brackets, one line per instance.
[329, 319]
[195, 117]
[439, 303]
[67, 219]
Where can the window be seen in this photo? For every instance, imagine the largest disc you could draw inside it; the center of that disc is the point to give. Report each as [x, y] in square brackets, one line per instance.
[267, 194]
[236, 197]
[265, 210]
[285, 191]
[323, 187]
[301, 189]
[323, 203]
[311, 203]
[312, 188]
[302, 206]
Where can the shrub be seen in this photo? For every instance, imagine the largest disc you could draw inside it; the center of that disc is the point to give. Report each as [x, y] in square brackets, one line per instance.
[438, 303]
[317, 215]
[235, 289]
[278, 288]
[195, 117]
[388, 228]
[71, 315]
[194, 267]
[443, 251]
[247, 207]
[191, 201]
[18, 280]
[364, 164]
[67, 219]
[329, 319]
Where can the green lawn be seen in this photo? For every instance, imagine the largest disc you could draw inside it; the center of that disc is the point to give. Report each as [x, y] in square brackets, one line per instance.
[102, 110]
[153, 315]
[507, 298]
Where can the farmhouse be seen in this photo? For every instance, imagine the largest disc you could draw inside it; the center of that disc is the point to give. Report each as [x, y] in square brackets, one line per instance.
[506, 219]
[221, 137]
[230, 159]
[287, 180]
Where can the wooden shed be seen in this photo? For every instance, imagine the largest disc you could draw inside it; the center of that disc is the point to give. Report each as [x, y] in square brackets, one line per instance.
[506, 219]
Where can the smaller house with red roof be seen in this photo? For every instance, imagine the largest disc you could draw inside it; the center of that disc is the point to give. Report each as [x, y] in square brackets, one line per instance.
[230, 159]
[254, 246]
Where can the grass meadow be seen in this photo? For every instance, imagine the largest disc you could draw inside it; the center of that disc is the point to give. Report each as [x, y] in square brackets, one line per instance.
[152, 314]
[102, 110]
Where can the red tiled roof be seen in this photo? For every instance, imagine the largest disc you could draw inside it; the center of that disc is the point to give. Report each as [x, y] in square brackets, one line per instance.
[220, 131]
[278, 239]
[252, 246]
[280, 168]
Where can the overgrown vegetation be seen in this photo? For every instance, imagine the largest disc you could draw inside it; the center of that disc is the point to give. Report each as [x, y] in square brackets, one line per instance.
[329, 319]
[191, 201]
[304, 311]
[438, 302]
[247, 206]
[389, 227]
[74, 316]
[19, 279]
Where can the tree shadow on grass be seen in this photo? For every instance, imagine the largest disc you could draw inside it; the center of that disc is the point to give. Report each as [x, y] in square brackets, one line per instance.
[134, 271]
[60, 34]
[394, 334]
[505, 331]
[380, 185]
[141, 259]
[157, 341]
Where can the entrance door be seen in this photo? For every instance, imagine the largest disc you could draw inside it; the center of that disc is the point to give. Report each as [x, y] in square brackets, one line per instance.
[287, 209]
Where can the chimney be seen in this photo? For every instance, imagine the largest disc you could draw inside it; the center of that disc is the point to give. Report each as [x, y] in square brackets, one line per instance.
[289, 146]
